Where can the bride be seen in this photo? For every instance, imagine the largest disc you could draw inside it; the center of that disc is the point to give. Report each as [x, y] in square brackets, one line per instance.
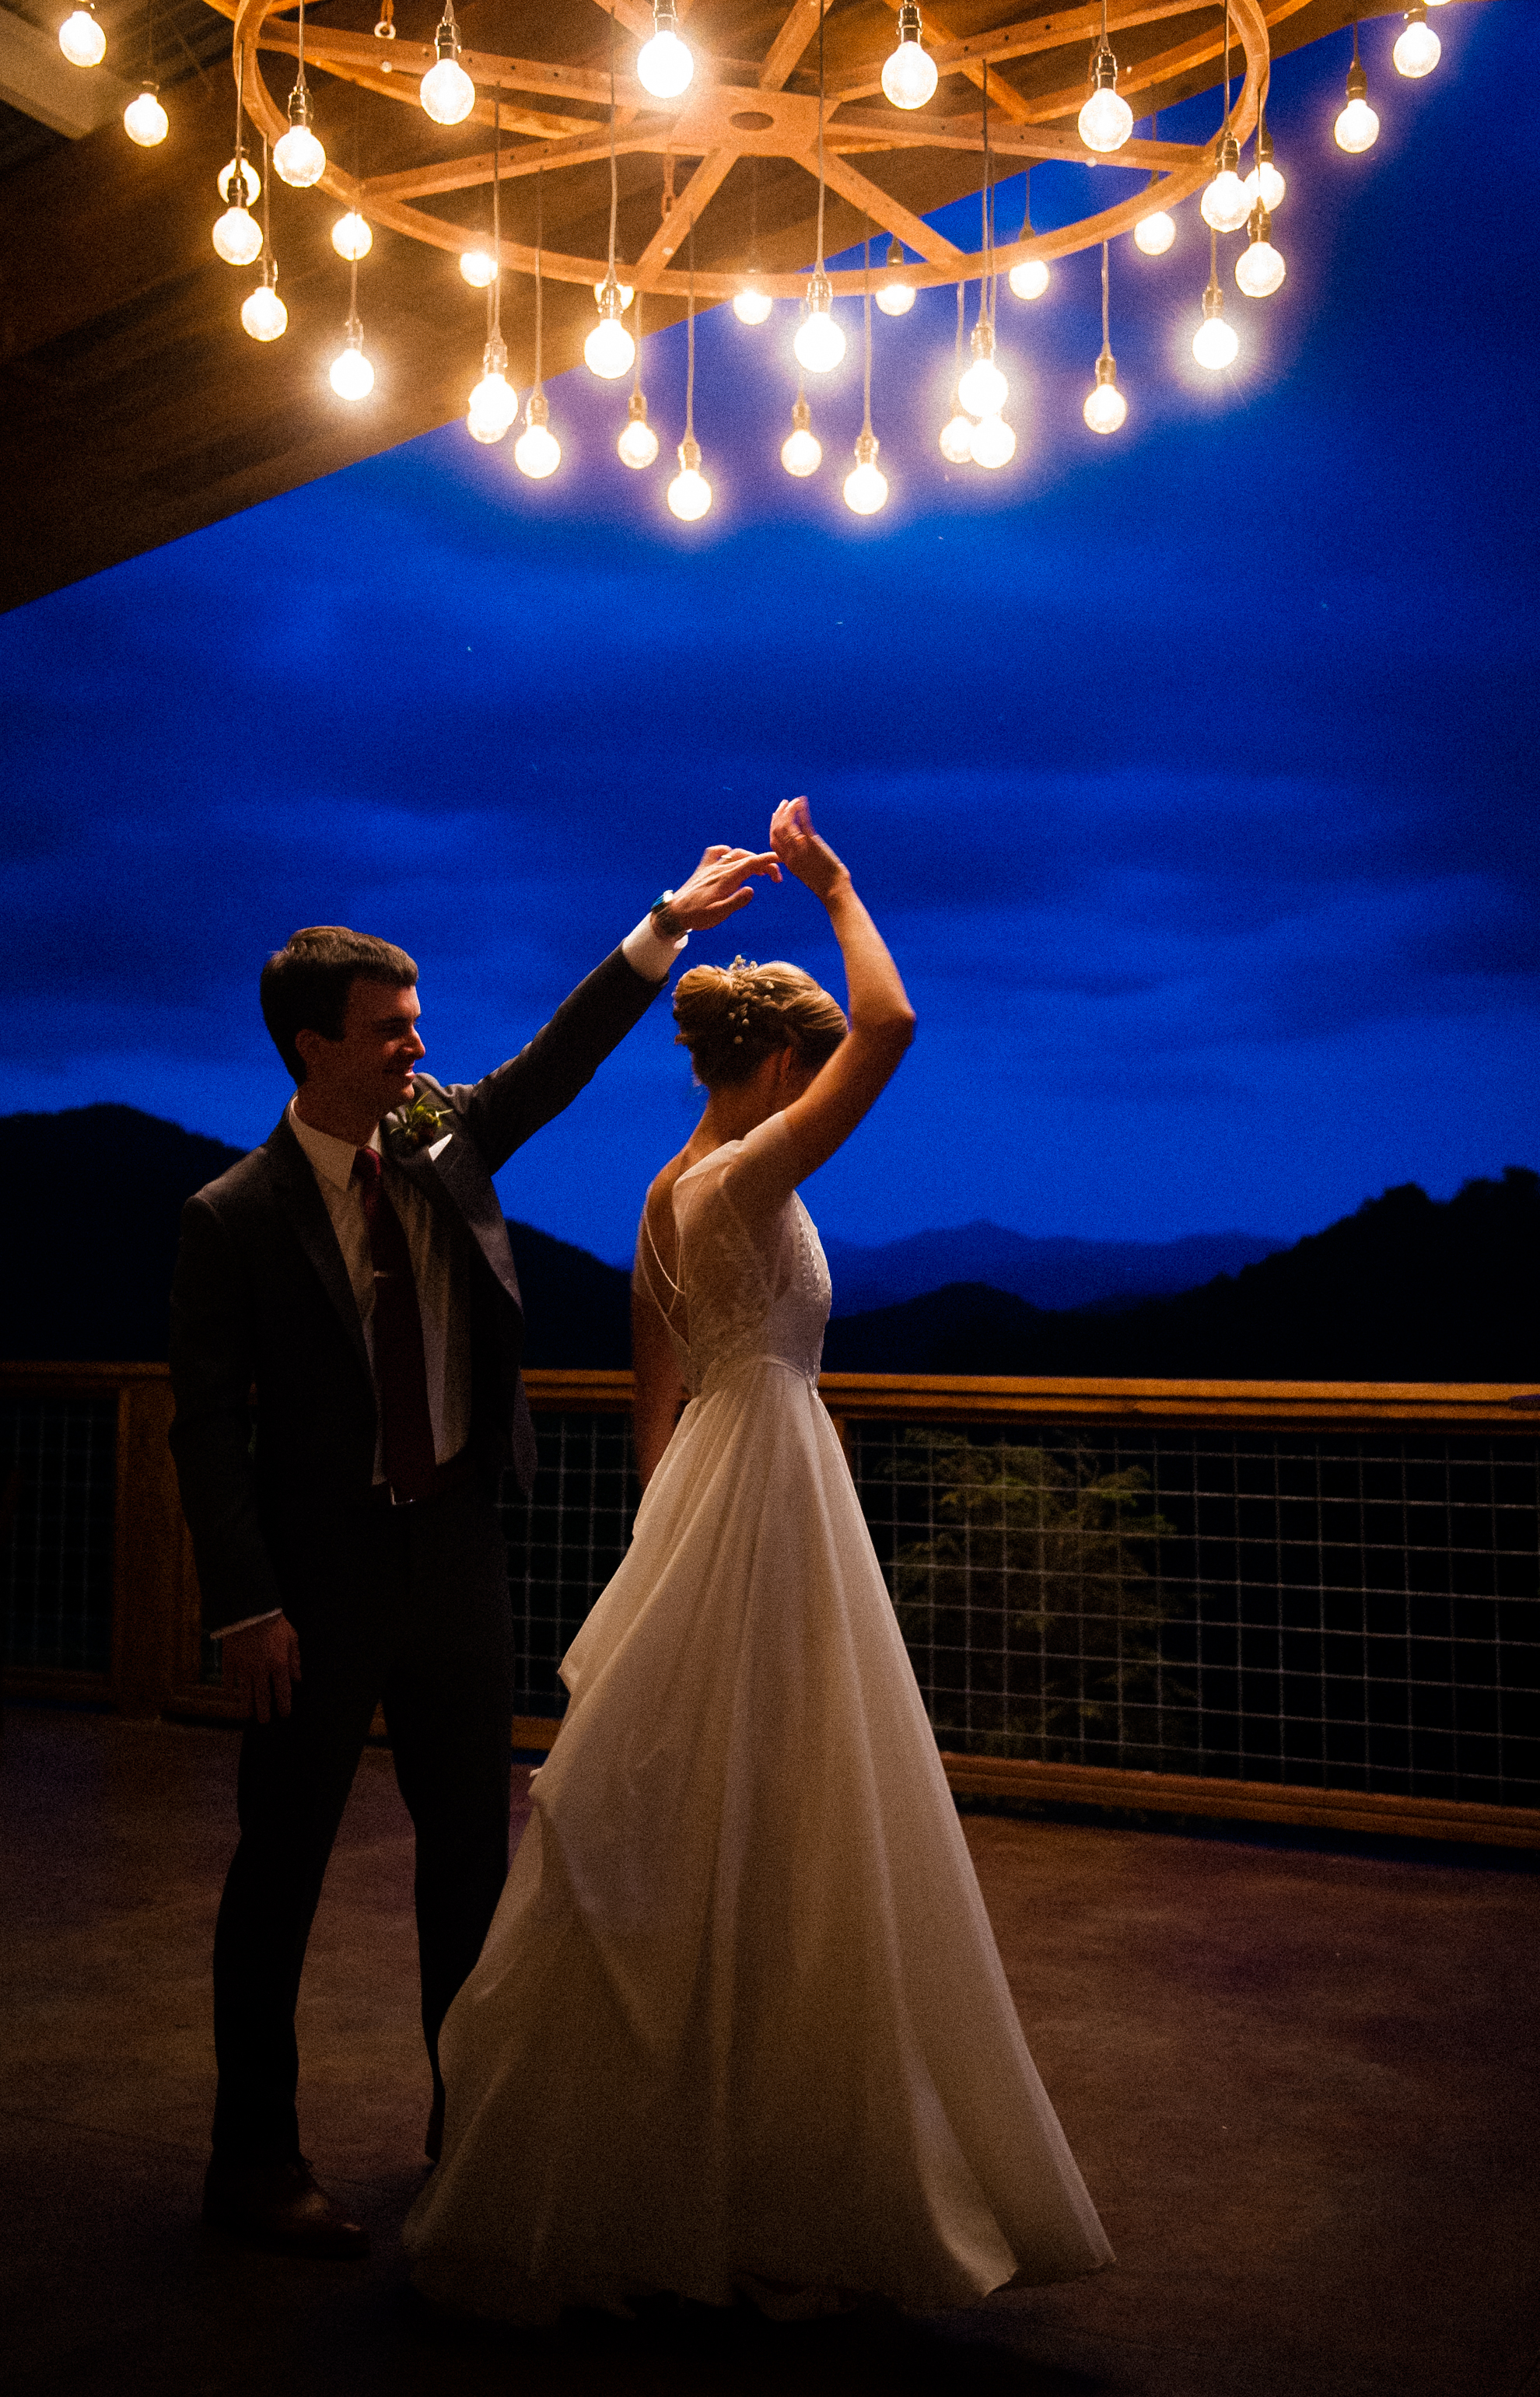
[740, 2027]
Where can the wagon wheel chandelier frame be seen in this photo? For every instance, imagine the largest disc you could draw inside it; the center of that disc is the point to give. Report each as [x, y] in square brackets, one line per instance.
[722, 118]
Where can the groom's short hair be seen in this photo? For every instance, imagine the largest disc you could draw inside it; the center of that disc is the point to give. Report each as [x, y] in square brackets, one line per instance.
[305, 984]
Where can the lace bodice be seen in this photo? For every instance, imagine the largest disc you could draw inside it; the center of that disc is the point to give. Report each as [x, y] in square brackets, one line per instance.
[752, 1280]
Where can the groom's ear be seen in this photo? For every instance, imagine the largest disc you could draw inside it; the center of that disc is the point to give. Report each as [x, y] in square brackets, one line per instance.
[312, 1047]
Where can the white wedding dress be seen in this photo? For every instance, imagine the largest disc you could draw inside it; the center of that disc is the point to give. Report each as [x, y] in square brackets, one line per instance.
[740, 2025]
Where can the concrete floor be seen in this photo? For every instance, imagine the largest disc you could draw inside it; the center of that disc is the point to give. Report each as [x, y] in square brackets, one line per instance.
[1303, 2087]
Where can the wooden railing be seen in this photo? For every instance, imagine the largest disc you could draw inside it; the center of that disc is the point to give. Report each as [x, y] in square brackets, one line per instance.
[156, 1652]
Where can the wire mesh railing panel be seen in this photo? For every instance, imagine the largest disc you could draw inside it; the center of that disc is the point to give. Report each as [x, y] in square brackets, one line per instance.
[1353, 1610]
[564, 1543]
[58, 1483]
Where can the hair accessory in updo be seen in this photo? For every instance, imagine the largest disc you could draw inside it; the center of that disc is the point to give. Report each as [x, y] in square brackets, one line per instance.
[732, 1017]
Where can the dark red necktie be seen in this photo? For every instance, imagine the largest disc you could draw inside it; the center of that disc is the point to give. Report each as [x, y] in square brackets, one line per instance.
[400, 1374]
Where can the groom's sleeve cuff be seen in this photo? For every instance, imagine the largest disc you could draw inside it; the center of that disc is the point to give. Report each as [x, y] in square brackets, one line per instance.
[648, 953]
[245, 1623]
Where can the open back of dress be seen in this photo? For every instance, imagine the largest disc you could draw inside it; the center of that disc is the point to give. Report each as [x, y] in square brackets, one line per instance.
[740, 2025]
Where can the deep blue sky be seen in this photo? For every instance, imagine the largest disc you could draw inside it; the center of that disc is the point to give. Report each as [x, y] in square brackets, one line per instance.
[1191, 772]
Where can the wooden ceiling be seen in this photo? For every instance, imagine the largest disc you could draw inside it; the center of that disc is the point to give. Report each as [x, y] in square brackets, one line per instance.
[135, 407]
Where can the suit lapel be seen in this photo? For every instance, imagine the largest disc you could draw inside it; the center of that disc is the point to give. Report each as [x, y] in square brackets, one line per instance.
[457, 1178]
[306, 1209]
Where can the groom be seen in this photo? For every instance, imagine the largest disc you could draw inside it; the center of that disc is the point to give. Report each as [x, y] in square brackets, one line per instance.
[345, 1340]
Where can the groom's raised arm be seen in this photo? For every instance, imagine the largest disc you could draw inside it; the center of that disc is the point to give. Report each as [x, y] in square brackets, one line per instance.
[506, 1107]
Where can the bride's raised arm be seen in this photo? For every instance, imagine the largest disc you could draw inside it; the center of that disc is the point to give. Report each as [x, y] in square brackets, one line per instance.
[882, 1021]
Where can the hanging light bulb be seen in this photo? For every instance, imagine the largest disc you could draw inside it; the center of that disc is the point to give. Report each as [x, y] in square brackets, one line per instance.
[1265, 182]
[609, 349]
[298, 157]
[446, 92]
[144, 120]
[351, 375]
[689, 493]
[1358, 127]
[478, 267]
[801, 452]
[983, 389]
[639, 444]
[494, 402]
[1223, 202]
[1107, 120]
[237, 237]
[1417, 47]
[909, 75]
[537, 452]
[1105, 408]
[1155, 235]
[1260, 269]
[81, 39]
[751, 306]
[819, 344]
[263, 313]
[895, 298]
[1215, 343]
[353, 237]
[664, 65]
[626, 290]
[956, 439]
[991, 442]
[1028, 279]
[251, 182]
[866, 485]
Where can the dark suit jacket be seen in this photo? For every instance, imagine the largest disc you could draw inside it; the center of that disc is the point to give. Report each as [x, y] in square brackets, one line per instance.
[261, 1301]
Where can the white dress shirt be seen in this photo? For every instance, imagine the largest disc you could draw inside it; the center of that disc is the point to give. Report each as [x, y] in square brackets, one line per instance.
[439, 1263]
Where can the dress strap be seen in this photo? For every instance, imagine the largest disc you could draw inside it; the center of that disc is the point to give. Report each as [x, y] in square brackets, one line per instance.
[657, 1260]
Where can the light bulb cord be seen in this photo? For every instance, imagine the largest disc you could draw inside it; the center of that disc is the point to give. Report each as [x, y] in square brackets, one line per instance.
[1106, 343]
[353, 326]
[300, 52]
[1027, 205]
[637, 362]
[614, 186]
[267, 209]
[957, 351]
[494, 289]
[239, 181]
[985, 309]
[866, 303]
[820, 14]
[540, 228]
[1226, 125]
[689, 340]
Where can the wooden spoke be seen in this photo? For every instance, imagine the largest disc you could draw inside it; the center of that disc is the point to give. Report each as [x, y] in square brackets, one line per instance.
[707, 180]
[891, 214]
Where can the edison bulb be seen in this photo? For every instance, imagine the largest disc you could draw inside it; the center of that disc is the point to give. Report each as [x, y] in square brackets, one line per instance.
[751, 306]
[494, 405]
[1107, 120]
[1269, 189]
[983, 389]
[537, 452]
[1358, 127]
[820, 344]
[81, 39]
[146, 121]
[1224, 204]
[237, 237]
[1028, 279]
[351, 375]
[478, 267]
[1417, 49]
[908, 80]
[1259, 269]
[263, 313]
[1155, 235]
[353, 235]
[251, 182]
[1215, 343]
[896, 299]
[991, 442]
[866, 485]
[802, 452]
[954, 437]
[689, 493]
[298, 158]
[1105, 408]
[664, 67]
[609, 350]
[639, 444]
[446, 92]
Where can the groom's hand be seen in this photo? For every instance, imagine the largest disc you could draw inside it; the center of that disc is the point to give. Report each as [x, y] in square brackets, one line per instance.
[719, 886]
[260, 1665]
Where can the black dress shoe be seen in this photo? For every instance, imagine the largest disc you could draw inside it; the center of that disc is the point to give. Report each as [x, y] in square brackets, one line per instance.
[282, 2207]
[433, 2137]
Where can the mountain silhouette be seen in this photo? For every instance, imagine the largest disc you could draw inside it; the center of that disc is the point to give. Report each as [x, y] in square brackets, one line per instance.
[1057, 1273]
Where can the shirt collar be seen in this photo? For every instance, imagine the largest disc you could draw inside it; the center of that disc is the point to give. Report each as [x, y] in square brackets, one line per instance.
[331, 1158]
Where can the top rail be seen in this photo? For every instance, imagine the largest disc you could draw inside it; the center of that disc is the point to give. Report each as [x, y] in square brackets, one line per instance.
[991, 1397]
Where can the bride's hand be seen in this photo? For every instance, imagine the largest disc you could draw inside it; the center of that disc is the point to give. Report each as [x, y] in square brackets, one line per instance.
[802, 853]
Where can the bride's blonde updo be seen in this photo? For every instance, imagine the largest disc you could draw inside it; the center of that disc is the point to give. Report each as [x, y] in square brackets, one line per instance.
[731, 1018]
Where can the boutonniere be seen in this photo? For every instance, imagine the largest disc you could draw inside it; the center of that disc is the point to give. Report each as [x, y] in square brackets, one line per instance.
[422, 1124]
